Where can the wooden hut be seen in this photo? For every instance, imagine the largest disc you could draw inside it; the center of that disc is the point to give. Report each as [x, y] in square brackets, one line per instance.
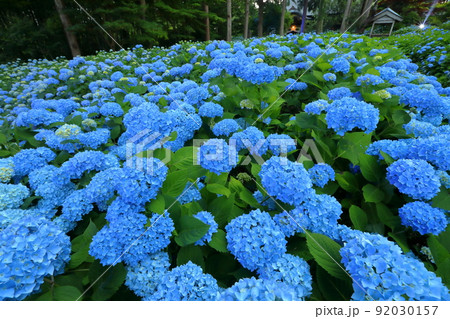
[386, 16]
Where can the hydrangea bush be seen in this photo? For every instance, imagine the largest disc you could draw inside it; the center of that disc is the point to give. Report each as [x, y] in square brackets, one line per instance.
[206, 171]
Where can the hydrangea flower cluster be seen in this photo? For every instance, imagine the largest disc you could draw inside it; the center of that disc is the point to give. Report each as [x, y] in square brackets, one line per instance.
[287, 181]
[348, 113]
[321, 174]
[423, 218]
[31, 248]
[415, 178]
[208, 219]
[216, 156]
[255, 240]
[385, 273]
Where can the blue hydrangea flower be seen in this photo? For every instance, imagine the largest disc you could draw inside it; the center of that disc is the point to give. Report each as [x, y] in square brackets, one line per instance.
[423, 218]
[265, 201]
[30, 159]
[255, 240]
[12, 196]
[6, 169]
[225, 127]
[186, 283]
[287, 181]
[348, 113]
[252, 289]
[415, 178]
[252, 139]
[429, 102]
[340, 65]
[295, 85]
[210, 109]
[216, 156]
[368, 79]
[394, 148]
[208, 219]
[330, 77]
[316, 107]
[280, 144]
[385, 273]
[144, 277]
[291, 270]
[339, 93]
[111, 109]
[321, 174]
[31, 248]
[191, 193]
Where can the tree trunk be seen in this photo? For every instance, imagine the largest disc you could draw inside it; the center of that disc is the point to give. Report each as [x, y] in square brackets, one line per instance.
[207, 27]
[304, 15]
[71, 38]
[229, 20]
[260, 17]
[365, 14]
[320, 16]
[346, 14]
[143, 8]
[247, 10]
[283, 13]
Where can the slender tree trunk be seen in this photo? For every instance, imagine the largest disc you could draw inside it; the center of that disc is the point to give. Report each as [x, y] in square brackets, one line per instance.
[229, 31]
[365, 14]
[283, 13]
[260, 17]
[304, 15]
[346, 14]
[143, 8]
[247, 12]
[71, 38]
[320, 16]
[207, 27]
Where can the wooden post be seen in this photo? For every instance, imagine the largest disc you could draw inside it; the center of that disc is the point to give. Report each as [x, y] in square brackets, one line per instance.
[247, 12]
[207, 30]
[371, 30]
[229, 20]
[392, 27]
[283, 13]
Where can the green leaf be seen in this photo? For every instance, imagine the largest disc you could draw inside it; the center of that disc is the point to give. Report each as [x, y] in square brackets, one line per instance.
[66, 293]
[3, 139]
[333, 289]
[442, 199]
[358, 217]
[439, 252]
[106, 282]
[246, 196]
[222, 209]
[326, 253]
[401, 117]
[190, 229]
[387, 217]
[190, 253]
[372, 194]
[218, 189]
[370, 168]
[352, 145]
[219, 241]
[157, 205]
[80, 246]
[305, 120]
[183, 158]
[348, 182]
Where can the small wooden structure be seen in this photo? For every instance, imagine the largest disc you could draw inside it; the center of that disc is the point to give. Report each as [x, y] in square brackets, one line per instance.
[386, 16]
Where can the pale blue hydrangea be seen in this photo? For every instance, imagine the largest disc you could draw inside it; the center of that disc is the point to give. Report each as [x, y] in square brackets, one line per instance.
[6, 169]
[191, 193]
[369, 79]
[316, 107]
[251, 139]
[30, 159]
[280, 144]
[111, 109]
[339, 93]
[210, 109]
[423, 218]
[255, 240]
[12, 196]
[330, 77]
[340, 65]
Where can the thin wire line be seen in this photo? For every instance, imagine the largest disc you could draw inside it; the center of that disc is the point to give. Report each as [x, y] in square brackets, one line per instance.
[136, 240]
[135, 60]
[322, 54]
[315, 241]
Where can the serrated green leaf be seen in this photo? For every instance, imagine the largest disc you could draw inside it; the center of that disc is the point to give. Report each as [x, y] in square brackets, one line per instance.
[66, 293]
[190, 253]
[370, 168]
[106, 282]
[190, 229]
[157, 205]
[219, 241]
[358, 217]
[352, 145]
[326, 253]
[218, 189]
[372, 194]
